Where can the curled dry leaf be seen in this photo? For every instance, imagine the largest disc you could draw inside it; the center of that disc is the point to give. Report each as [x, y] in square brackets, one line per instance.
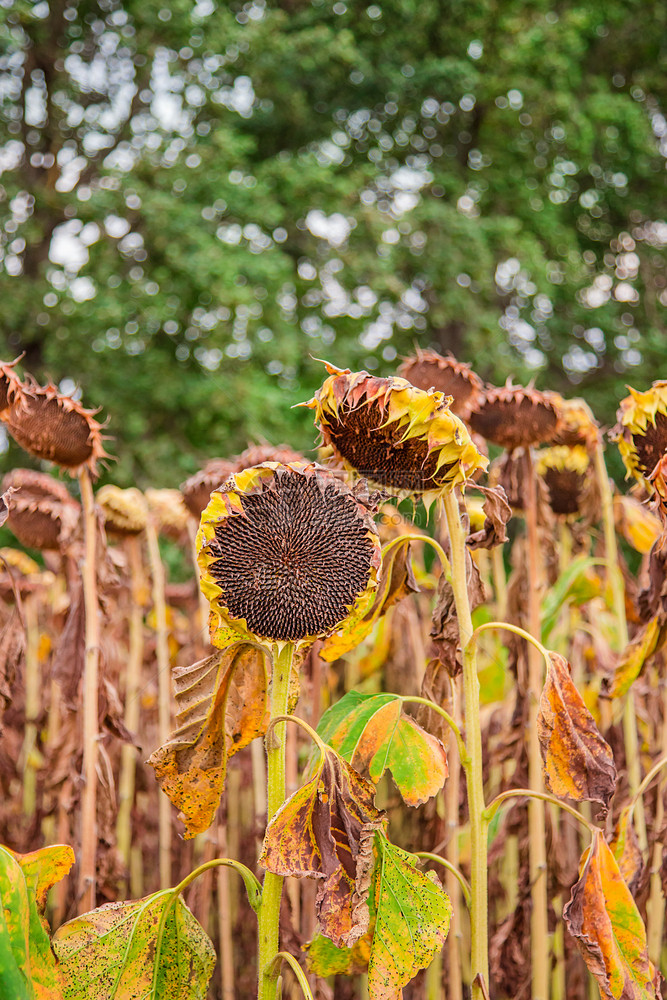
[634, 657]
[397, 580]
[316, 834]
[604, 920]
[444, 621]
[497, 513]
[373, 734]
[578, 763]
[5, 502]
[222, 706]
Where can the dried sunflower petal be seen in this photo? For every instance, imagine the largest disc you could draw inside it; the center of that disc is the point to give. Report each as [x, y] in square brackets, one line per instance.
[286, 553]
[125, 511]
[566, 473]
[395, 435]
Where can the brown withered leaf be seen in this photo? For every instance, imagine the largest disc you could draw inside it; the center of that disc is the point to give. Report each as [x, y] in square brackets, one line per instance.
[12, 653]
[221, 707]
[604, 920]
[498, 512]
[316, 834]
[509, 957]
[634, 657]
[652, 600]
[444, 622]
[578, 763]
[69, 655]
[110, 711]
[625, 847]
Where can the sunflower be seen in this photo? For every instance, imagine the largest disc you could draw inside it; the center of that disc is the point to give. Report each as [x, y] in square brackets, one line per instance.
[566, 472]
[398, 436]
[286, 553]
[55, 427]
[196, 490]
[43, 515]
[576, 423]
[169, 512]
[10, 384]
[641, 431]
[258, 454]
[514, 416]
[125, 511]
[429, 370]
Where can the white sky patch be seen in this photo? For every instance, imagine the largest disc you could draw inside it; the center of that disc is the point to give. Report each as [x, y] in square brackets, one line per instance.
[333, 228]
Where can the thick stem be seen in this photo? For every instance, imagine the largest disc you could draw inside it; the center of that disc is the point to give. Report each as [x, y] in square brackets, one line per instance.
[454, 938]
[656, 905]
[630, 737]
[164, 693]
[269, 911]
[473, 743]
[128, 756]
[87, 871]
[539, 927]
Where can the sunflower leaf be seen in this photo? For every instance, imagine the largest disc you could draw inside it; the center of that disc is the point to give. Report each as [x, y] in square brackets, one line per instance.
[115, 952]
[222, 706]
[374, 734]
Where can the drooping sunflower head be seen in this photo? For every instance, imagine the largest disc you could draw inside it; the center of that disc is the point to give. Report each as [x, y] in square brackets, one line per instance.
[196, 490]
[514, 416]
[125, 511]
[55, 427]
[429, 370]
[641, 431]
[395, 435]
[566, 472]
[576, 423]
[169, 512]
[286, 553]
[258, 454]
[43, 515]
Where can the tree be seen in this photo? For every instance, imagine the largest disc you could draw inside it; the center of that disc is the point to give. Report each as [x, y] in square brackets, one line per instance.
[196, 198]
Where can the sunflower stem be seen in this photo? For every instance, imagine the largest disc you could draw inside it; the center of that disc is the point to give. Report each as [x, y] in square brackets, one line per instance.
[473, 742]
[539, 927]
[164, 692]
[630, 737]
[269, 910]
[87, 871]
[32, 705]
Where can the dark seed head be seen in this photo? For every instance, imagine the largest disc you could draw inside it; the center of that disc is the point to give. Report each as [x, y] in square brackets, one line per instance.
[513, 416]
[296, 558]
[198, 488]
[429, 370]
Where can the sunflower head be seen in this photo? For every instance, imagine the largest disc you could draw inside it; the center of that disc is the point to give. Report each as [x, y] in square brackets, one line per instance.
[429, 370]
[514, 416]
[169, 512]
[42, 513]
[576, 423]
[196, 490]
[258, 454]
[125, 511]
[395, 435]
[566, 473]
[55, 428]
[286, 553]
[641, 431]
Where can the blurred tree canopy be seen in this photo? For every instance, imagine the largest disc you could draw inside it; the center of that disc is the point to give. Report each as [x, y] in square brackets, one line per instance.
[195, 198]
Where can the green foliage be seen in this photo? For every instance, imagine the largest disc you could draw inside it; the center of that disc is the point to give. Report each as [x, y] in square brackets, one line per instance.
[492, 177]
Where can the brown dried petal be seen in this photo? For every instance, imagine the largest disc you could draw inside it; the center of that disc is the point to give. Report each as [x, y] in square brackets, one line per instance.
[498, 512]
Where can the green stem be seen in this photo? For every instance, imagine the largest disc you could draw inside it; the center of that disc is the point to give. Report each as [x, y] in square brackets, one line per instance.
[284, 956]
[463, 882]
[269, 910]
[473, 742]
[644, 785]
[416, 700]
[315, 737]
[519, 793]
[404, 539]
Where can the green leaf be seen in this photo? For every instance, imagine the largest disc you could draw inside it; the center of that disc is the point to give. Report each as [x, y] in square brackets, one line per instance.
[27, 965]
[115, 952]
[324, 958]
[412, 913]
[575, 585]
[373, 734]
